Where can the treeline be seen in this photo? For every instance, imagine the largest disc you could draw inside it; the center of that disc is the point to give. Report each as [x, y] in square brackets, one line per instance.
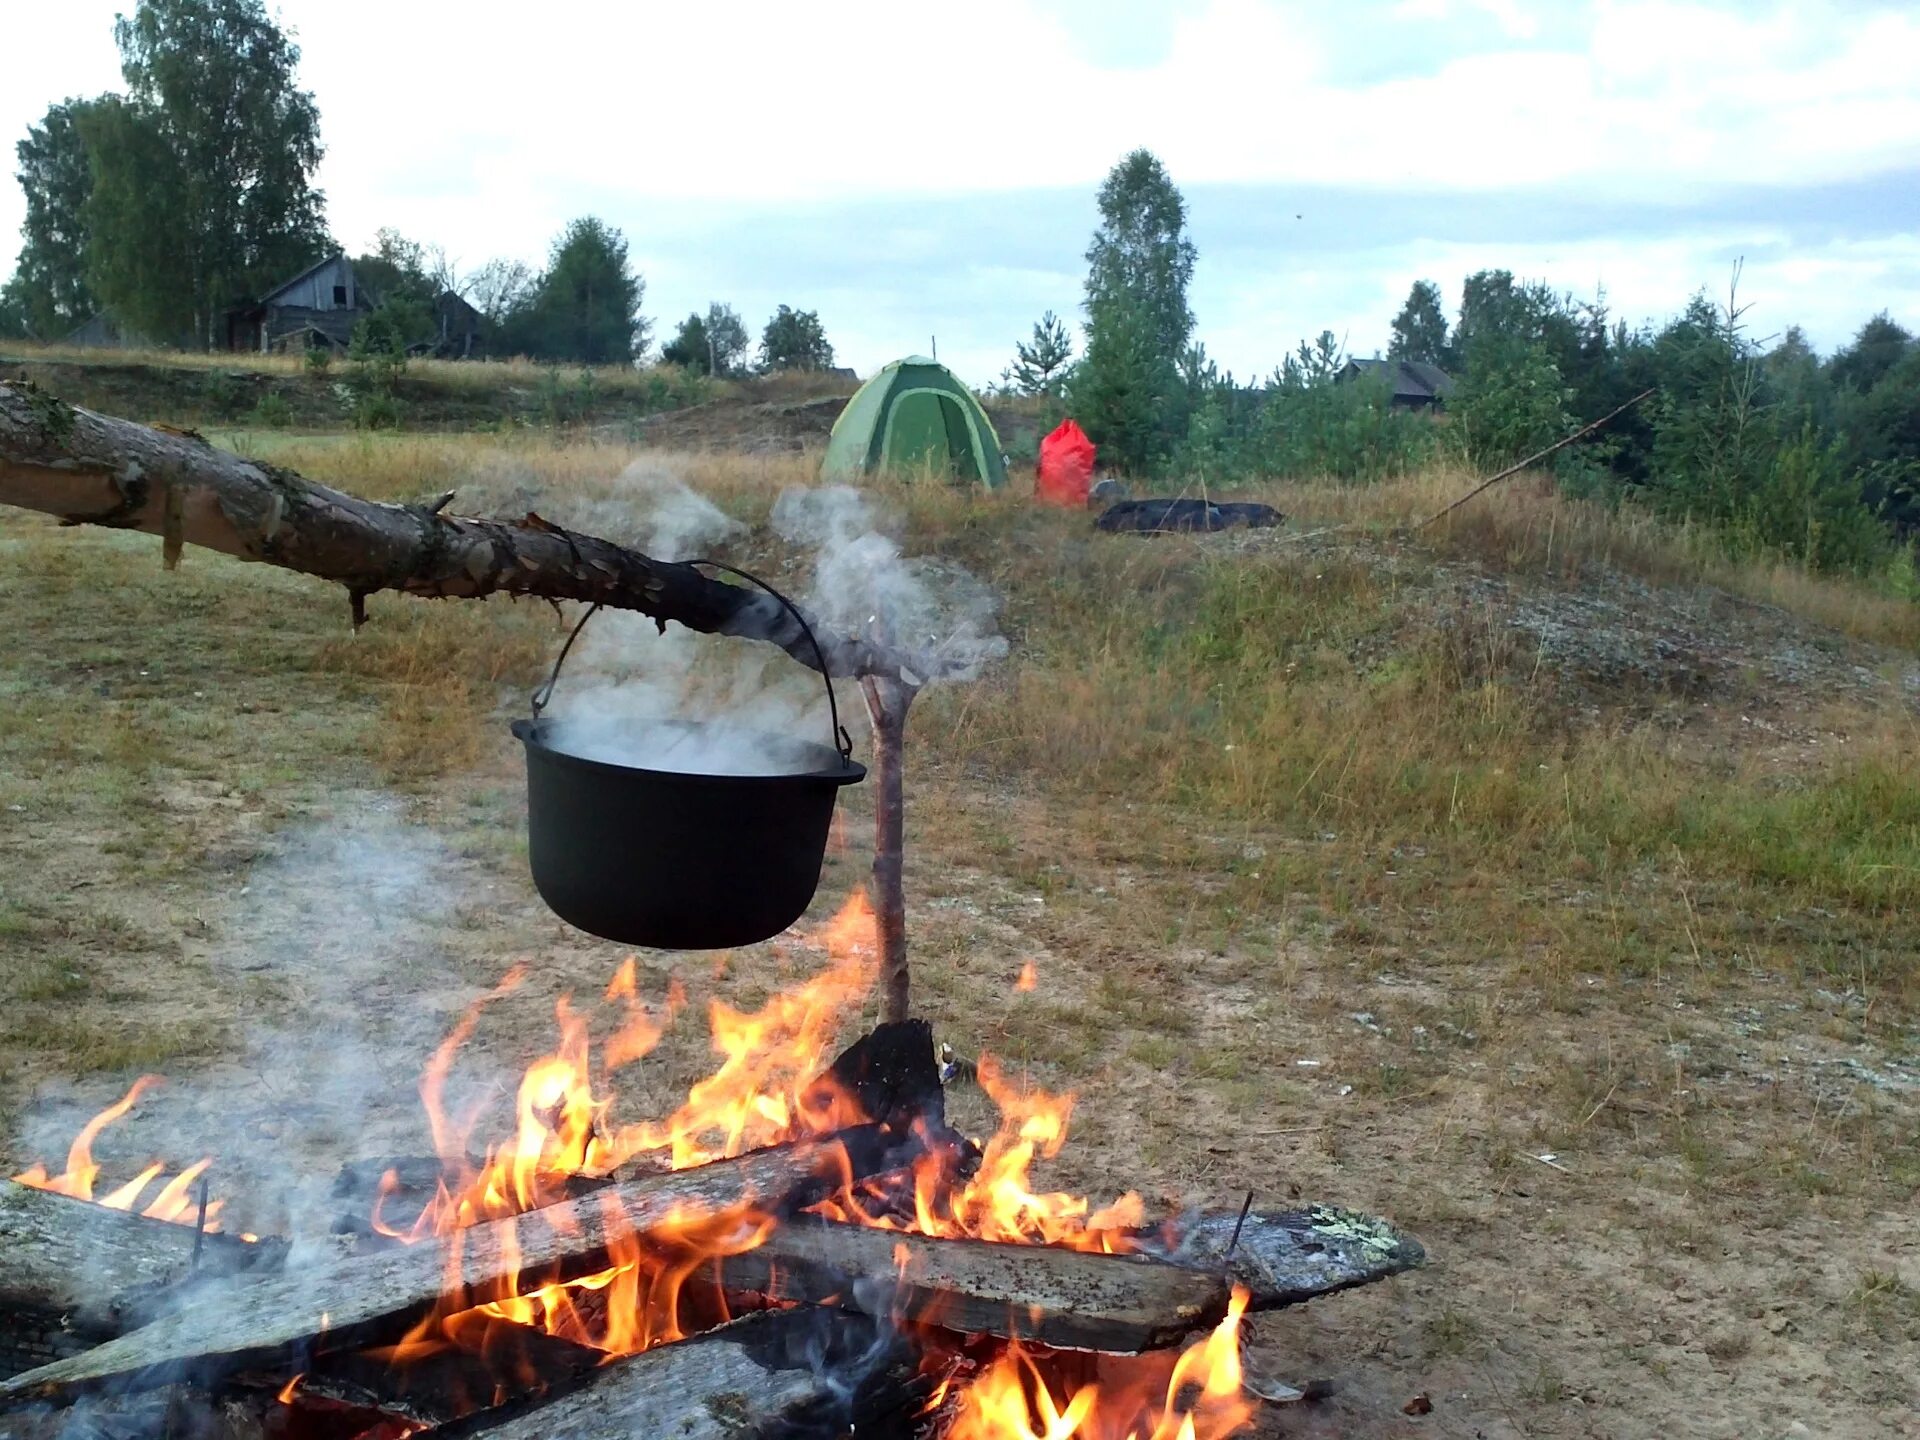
[1778, 448]
[191, 195]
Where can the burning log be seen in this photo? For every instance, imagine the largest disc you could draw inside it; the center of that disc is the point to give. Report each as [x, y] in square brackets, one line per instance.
[1073, 1299]
[1069, 1299]
[440, 1388]
[777, 1372]
[77, 1273]
[373, 1299]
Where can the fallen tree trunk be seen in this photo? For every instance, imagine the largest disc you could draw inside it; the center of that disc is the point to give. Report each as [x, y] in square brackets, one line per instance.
[374, 1299]
[92, 469]
[777, 1372]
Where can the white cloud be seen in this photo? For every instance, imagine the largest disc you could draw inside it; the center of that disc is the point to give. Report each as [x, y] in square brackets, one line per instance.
[486, 131]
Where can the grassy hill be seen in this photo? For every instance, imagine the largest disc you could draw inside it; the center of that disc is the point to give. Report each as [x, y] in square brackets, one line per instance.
[282, 391]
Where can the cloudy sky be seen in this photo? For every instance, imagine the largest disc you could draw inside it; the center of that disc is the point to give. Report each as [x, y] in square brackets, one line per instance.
[917, 171]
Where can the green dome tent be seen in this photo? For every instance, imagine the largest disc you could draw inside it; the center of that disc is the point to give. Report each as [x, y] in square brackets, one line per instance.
[914, 415]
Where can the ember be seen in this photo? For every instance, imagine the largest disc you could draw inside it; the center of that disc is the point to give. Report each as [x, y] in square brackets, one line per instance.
[1022, 1395]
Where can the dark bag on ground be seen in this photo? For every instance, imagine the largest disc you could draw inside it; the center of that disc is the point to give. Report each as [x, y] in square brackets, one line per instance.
[1148, 517]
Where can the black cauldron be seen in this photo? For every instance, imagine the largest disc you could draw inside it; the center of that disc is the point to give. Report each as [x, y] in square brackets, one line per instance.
[671, 859]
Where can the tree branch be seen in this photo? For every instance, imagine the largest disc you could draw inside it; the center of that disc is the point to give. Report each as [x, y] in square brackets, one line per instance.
[93, 469]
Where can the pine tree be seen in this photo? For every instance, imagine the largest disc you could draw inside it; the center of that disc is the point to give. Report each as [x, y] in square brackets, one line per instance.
[585, 306]
[1420, 329]
[1127, 388]
[1039, 368]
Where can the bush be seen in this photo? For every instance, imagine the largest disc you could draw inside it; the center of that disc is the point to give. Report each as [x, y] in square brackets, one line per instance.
[222, 391]
[272, 411]
[319, 359]
[377, 410]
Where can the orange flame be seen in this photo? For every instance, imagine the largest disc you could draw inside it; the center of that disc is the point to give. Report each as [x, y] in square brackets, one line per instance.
[173, 1202]
[999, 1201]
[1028, 980]
[764, 1090]
[1022, 1396]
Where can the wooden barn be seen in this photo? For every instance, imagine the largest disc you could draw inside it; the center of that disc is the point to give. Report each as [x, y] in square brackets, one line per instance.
[318, 307]
[1412, 384]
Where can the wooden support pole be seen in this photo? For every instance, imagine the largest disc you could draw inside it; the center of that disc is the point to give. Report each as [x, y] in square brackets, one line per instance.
[887, 705]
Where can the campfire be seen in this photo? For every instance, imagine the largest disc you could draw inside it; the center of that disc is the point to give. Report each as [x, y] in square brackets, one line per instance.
[803, 1245]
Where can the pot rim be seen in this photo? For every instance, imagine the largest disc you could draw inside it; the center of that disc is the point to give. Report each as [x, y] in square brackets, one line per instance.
[843, 772]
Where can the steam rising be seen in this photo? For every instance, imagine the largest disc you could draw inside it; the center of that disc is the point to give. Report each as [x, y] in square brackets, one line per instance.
[864, 584]
[628, 683]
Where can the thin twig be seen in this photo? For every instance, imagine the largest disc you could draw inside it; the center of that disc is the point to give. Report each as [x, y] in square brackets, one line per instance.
[1534, 459]
[1234, 1244]
[200, 1225]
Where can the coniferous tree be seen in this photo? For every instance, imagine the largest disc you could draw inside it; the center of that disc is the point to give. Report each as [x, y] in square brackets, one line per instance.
[1127, 388]
[1420, 329]
[585, 307]
[1039, 367]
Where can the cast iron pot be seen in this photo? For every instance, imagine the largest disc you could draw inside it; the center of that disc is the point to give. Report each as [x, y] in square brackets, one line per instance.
[672, 860]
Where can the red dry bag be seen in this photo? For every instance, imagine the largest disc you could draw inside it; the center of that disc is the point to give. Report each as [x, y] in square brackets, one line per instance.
[1065, 472]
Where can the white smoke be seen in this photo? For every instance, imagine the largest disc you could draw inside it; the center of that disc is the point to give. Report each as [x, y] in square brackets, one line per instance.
[863, 583]
[343, 929]
[632, 694]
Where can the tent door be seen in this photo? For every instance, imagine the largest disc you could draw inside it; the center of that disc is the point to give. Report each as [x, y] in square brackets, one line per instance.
[927, 428]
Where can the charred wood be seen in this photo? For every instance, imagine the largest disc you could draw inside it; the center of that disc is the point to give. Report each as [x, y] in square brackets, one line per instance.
[780, 1373]
[398, 1189]
[1074, 1300]
[76, 1273]
[441, 1388]
[1289, 1257]
[284, 1320]
[892, 1076]
[1068, 1299]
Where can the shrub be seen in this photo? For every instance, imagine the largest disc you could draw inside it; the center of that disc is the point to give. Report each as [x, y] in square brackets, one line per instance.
[222, 391]
[272, 411]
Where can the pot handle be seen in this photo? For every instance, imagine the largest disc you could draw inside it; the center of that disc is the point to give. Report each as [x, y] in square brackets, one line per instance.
[841, 741]
[545, 692]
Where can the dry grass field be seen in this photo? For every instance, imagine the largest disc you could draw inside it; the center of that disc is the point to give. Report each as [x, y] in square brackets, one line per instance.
[1536, 880]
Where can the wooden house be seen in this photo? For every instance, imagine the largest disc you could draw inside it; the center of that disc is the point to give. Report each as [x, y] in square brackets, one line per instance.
[1412, 384]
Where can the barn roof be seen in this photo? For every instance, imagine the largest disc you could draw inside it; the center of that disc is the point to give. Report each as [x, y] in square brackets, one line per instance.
[322, 263]
[1410, 379]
